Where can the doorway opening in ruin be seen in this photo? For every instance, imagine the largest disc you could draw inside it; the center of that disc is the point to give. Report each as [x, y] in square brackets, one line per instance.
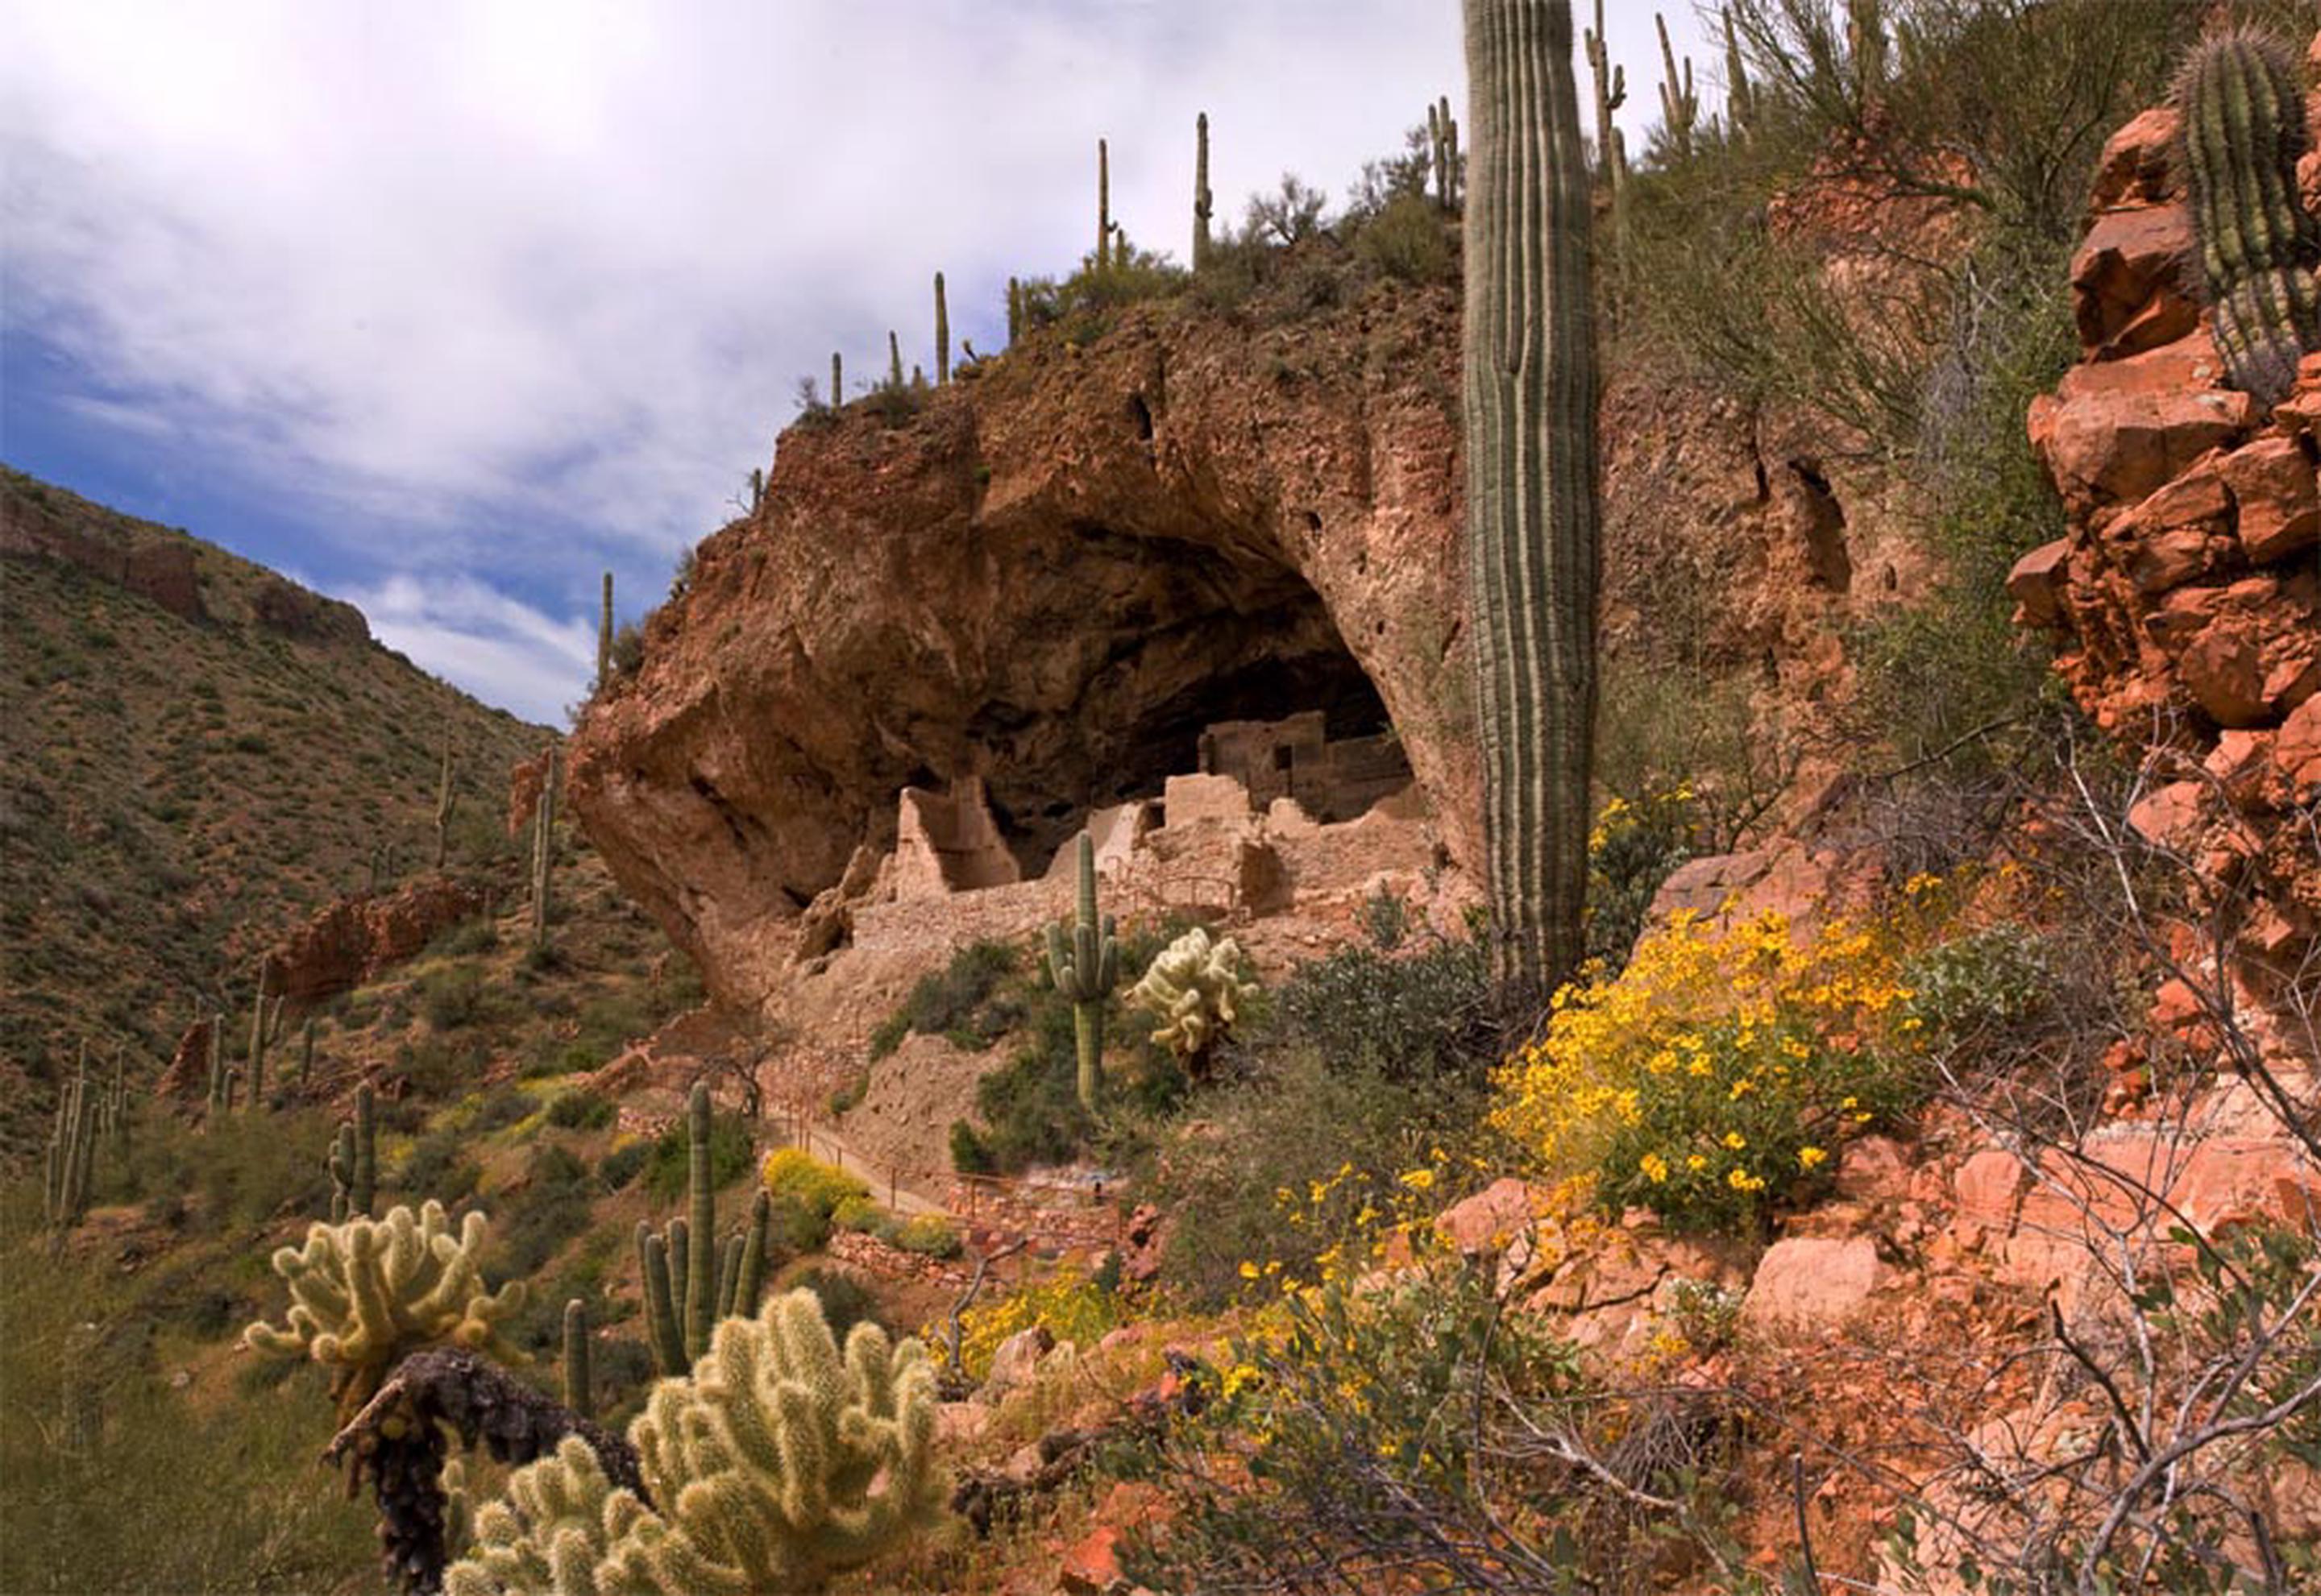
[1218, 664]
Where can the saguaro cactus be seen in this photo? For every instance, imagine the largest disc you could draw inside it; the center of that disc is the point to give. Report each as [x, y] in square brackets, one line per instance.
[894, 361]
[1014, 309]
[1203, 200]
[1448, 171]
[1680, 105]
[691, 1281]
[579, 1383]
[1532, 480]
[257, 1042]
[2243, 132]
[544, 848]
[353, 1161]
[72, 1149]
[603, 636]
[1085, 970]
[444, 796]
[942, 334]
[837, 388]
[1611, 93]
[1103, 206]
[1740, 96]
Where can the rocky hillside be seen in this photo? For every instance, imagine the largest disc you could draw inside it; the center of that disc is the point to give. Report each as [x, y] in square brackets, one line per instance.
[198, 754]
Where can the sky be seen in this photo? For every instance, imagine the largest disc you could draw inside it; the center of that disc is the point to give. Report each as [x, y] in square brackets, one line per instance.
[445, 306]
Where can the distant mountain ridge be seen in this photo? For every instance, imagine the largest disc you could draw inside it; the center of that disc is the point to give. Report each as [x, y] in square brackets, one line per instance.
[195, 753]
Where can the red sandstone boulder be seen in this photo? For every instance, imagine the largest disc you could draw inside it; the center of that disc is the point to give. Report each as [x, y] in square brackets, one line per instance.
[352, 939]
[2038, 582]
[2137, 165]
[2127, 279]
[2273, 485]
[2117, 431]
[1812, 1283]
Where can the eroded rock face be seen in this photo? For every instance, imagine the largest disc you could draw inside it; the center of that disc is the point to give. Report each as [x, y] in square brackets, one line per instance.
[353, 939]
[1053, 577]
[2188, 587]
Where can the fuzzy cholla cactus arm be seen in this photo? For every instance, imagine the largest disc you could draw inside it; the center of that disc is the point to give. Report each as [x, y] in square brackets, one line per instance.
[365, 1293]
[778, 1463]
[1195, 988]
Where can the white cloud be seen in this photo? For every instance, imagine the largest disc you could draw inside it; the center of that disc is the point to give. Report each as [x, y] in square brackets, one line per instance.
[498, 648]
[553, 267]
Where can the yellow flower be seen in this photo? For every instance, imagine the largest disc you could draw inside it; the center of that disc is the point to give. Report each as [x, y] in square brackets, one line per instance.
[1736, 1141]
[1248, 1271]
[1418, 1180]
[1741, 1180]
[1697, 1163]
[1742, 1088]
[1809, 1157]
[1655, 1168]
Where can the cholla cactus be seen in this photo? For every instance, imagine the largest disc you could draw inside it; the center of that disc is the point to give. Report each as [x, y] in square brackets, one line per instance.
[777, 1463]
[1196, 989]
[366, 1292]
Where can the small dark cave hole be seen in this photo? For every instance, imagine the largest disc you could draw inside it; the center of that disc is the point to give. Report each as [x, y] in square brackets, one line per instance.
[1141, 415]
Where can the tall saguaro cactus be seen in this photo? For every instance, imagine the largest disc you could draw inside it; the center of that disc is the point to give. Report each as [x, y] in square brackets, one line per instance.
[1611, 93]
[692, 1279]
[1680, 105]
[445, 798]
[1014, 309]
[837, 387]
[257, 1042]
[543, 849]
[1202, 199]
[1103, 206]
[1533, 514]
[2243, 132]
[1740, 95]
[604, 639]
[942, 334]
[1085, 970]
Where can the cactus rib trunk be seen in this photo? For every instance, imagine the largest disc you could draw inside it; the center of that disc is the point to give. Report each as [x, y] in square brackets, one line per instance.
[2243, 133]
[701, 1233]
[1531, 475]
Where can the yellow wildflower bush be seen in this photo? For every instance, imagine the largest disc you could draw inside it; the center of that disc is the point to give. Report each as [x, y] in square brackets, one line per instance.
[1719, 1072]
[1069, 1303]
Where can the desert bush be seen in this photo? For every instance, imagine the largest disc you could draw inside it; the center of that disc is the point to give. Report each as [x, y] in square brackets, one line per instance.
[618, 1167]
[962, 1002]
[580, 1110]
[466, 941]
[1718, 1075]
[1977, 985]
[439, 1166]
[1415, 1015]
[863, 1214]
[547, 1209]
[669, 1165]
[1632, 850]
[1408, 241]
[1416, 1433]
[1294, 1136]
[454, 996]
[930, 1235]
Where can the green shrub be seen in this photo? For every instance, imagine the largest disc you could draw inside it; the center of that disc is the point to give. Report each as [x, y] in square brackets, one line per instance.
[503, 1108]
[581, 1111]
[669, 1167]
[862, 1213]
[1411, 1016]
[957, 1002]
[534, 1219]
[439, 1166]
[970, 1154]
[618, 1167]
[1975, 986]
[453, 996]
[466, 939]
[930, 1235]
[1408, 241]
